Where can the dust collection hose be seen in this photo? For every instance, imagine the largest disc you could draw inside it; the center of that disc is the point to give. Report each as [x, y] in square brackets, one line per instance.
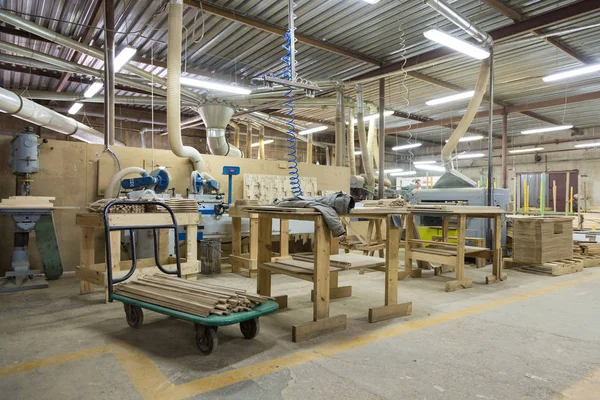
[291, 139]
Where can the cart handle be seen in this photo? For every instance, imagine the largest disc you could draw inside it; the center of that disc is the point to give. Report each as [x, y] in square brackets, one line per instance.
[155, 228]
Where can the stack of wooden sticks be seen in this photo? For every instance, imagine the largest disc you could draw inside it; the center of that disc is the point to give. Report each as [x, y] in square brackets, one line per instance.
[193, 297]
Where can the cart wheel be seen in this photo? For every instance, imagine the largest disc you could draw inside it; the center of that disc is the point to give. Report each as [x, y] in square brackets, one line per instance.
[207, 341]
[250, 328]
[134, 315]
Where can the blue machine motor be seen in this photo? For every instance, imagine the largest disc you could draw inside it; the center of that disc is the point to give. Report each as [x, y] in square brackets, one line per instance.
[157, 180]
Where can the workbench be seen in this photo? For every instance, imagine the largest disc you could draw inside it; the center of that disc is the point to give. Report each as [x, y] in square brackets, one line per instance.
[249, 261]
[453, 254]
[322, 322]
[92, 274]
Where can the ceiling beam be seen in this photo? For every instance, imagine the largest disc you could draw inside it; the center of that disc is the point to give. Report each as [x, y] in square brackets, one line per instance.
[580, 98]
[540, 21]
[88, 34]
[265, 26]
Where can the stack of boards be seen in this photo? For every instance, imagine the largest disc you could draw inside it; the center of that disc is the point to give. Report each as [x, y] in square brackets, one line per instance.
[192, 297]
[27, 202]
[132, 207]
[180, 205]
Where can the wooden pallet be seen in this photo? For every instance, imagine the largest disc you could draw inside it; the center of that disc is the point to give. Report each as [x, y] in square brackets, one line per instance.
[588, 261]
[555, 268]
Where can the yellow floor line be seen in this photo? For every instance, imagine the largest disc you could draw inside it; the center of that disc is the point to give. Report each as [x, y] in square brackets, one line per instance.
[59, 359]
[586, 389]
[218, 381]
[152, 384]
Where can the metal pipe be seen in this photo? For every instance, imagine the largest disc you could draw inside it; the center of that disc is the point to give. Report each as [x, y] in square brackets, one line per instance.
[292, 30]
[350, 142]
[344, 160]
[504, 149]
[381, 135]
[490, 172]
[338, 128]
[109, 73]
[445, 10]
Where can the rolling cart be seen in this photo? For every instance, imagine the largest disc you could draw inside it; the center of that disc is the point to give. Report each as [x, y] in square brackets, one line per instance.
[205, 327]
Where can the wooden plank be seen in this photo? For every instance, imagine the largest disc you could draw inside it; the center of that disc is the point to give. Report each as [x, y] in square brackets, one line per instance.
[191, 239]
[115, 249]
[460, 248]
[149, 219]
[464, 283]
[90, 276]
[236, 242]
[423, 254]
[322, 243]
[312, 329]
[86, 256]
[284, 237]
[254, 238]
[389, 311]
[292, 210]
[391, 261]
[263, 279]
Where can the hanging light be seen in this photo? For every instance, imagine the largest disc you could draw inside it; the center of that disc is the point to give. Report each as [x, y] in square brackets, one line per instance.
[123, 57]
[371, 1]
[448, 99]
[424, 162]
[549, 129]
[358, 153]
[437, 168]
[313, 130]
[93, 89]
[75, 108]
[471, 138]
[404, 173]
[517, 151]
[456, 44]
[466, 156]
[407, 146]
[572, 73]
[219, 87]
[389, 171]
[256, 144]
[370, 117]
[584, 145]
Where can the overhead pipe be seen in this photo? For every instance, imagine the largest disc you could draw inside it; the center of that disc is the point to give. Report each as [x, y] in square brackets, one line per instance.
[52, 36]
[372, 141]
[216, 117]
[70, 96]
[445, 10]
[29, 56]
[366, 156]
[350, 142]
[109, 73]
[174, 89]
[339, 128]
[188, 123]
[260, 121]
[112, 185]
[22, 108]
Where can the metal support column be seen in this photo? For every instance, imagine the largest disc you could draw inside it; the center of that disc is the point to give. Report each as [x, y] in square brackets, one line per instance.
[109, 73]
[490, 185]
[381, 137]
[504, 148]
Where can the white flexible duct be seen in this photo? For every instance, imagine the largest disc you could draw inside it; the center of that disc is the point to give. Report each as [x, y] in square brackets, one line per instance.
[110, 189]
[362, 139]
[216, 117]
[372, 140]
[173, 90]
[350, 141]
[465, 122]
[20, 107]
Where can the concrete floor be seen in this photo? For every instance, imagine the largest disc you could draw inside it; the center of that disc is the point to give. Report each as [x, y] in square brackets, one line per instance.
[530, 337]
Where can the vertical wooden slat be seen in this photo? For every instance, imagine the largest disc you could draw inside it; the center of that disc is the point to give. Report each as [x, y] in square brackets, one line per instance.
[321, 269]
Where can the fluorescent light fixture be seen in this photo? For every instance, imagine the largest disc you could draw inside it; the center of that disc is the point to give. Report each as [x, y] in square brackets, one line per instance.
[571, 73]
[466, 156]
[123, 57]
[437, 168]
[264, 142]
[549, 129]
[471, 138]
[219, 87]
[75, 108]
[424, 162]
[93, 89]
[517, 151]
[390, 171]
[313, 130]
[358, 153]
[386, 113]
[448, 99]
[404, 173]
[584, 145]
[407, 146]
[456, 44]
[371, 1]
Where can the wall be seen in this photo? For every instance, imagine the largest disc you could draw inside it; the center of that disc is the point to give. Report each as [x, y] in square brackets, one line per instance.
[69, 171]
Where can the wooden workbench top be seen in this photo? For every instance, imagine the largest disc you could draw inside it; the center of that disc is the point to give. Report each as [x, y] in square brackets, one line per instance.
[94, 220]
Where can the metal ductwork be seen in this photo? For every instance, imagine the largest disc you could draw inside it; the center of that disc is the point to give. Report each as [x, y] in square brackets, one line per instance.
[22, 108]
[216, 117]
[445, 10]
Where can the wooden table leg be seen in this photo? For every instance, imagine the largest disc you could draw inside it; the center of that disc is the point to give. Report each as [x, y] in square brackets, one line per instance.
[284, 237]
[379, 236]
[335, 291]
[236, 243]
[263, 278]
[86, 257]
[460, 281]
[391, 309]
[163, 245]
[409, 234]
[254, 239]
[321, 322]
[497, 269]
[191, 238]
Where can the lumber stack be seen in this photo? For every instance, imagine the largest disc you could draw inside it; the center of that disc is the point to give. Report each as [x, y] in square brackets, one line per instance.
[193, 297]
[538, 240]
[27, 202]
[399, 202]
[590, 249]
[132, 207]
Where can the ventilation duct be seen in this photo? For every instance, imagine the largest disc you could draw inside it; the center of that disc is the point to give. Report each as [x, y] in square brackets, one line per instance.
[22, 108]
[216, 117]
[446, 10]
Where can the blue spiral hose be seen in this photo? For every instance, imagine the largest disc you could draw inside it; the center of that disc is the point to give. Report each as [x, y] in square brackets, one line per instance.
[286, 74]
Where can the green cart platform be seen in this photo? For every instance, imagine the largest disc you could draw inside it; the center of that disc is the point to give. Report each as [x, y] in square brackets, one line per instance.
[206, 327]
